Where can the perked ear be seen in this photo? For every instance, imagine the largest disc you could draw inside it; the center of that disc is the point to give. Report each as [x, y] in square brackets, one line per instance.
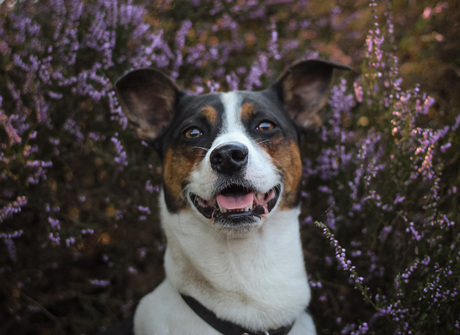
[304, 88]
[148, 98]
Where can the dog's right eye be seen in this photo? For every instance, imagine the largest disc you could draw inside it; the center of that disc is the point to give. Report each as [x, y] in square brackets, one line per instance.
[266, 126]
[193, 132]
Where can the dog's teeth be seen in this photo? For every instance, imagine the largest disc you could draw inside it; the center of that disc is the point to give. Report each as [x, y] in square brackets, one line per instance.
[222, 209]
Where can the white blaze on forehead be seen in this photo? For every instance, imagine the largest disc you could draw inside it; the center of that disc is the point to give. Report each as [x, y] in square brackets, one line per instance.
[233, 129]
[232, 112]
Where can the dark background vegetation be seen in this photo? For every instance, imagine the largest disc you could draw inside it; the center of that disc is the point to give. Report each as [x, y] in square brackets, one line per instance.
[86, 245]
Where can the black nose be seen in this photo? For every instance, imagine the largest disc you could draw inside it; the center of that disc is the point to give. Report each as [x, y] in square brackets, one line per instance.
[229, 158]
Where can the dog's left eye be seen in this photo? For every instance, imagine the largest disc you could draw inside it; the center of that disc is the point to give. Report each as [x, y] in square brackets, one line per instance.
[193, 132]
[266, 126]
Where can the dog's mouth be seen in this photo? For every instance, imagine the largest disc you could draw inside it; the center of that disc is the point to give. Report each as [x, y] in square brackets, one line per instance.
[237, 204]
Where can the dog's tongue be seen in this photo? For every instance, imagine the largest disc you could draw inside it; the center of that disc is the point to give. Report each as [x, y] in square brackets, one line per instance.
[239, 201]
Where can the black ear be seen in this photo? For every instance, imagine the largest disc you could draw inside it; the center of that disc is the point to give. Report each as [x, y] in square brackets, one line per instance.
[148, 98]
[303, 89]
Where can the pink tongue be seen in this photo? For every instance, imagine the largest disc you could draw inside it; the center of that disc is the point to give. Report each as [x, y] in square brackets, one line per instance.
[235, 201]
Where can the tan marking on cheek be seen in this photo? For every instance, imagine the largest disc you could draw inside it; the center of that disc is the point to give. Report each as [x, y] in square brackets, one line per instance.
[247, 111]
[286, 158]
[210, 114]
[178, 165]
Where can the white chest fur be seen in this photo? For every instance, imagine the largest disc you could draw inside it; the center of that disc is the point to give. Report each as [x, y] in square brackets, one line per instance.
[257, 280]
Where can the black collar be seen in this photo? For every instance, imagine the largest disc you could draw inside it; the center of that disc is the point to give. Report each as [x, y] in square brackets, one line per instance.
[227, 327]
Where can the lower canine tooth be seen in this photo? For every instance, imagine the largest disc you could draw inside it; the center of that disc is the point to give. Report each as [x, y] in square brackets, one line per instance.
[222, 209]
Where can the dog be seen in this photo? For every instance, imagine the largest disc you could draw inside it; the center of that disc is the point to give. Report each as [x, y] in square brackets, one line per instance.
[230, 201]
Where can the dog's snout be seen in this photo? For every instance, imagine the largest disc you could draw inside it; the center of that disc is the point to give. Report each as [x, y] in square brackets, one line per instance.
[229, 158]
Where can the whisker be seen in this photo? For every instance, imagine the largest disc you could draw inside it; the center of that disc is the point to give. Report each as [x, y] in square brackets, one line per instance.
[185, 190]
[205, 149]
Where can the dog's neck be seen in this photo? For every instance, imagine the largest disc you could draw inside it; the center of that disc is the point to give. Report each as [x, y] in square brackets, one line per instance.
[257, 279]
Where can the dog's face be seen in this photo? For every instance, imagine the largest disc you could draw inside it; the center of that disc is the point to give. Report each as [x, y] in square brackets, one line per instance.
[232, 158]
[229, 157]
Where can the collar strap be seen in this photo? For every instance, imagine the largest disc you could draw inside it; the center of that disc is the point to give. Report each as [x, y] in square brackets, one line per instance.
[227, 327]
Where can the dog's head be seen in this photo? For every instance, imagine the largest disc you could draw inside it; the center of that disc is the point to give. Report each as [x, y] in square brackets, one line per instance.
[232, 158]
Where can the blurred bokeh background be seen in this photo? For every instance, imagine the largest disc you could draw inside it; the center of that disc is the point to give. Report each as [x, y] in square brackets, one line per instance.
[80, 241]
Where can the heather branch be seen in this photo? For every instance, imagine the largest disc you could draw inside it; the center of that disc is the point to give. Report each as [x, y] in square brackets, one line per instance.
[340, 255]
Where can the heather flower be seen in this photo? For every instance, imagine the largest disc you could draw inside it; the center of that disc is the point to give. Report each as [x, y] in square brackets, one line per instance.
[181, 34]
[12, 208]
[121, 158]
[100, 282]
[232, 81]
[70, 241]
[54, 223]
[87, 232]
[212, 86]
[376, 172]
[257, 69]
[341, 256]
[149, 187]
[55, 238]
[12, 235]
[273, 43]
[144, 209]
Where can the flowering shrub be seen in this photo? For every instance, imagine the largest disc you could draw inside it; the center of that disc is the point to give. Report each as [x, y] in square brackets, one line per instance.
[380, 184]
[78, 232]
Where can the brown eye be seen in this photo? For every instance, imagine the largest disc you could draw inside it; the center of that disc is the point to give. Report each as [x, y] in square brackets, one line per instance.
[193, 133]
[265, 126]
